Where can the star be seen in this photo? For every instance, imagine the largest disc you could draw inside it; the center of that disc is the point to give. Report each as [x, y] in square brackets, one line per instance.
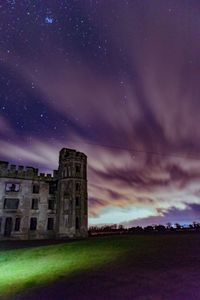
[49, 20]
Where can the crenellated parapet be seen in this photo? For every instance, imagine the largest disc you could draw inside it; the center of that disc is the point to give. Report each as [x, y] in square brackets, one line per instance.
[72, 163]
[24, 172]
[67, 154]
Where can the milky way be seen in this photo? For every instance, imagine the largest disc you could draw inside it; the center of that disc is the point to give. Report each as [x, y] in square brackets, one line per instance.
[118, 80]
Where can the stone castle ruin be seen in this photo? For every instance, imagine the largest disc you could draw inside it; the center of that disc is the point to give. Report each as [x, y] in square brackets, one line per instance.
[41, 206]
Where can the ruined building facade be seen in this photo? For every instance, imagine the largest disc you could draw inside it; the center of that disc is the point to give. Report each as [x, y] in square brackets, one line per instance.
[39, 206]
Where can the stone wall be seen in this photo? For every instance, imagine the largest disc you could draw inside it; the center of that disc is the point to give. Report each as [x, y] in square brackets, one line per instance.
[25, 211]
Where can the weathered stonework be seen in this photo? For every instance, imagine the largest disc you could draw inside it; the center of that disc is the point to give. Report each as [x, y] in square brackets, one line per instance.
[39, 206]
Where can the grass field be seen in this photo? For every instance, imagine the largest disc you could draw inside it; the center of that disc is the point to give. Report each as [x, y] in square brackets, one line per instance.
[112, 267]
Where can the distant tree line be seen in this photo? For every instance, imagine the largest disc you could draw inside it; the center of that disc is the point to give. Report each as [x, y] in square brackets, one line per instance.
[115, 228]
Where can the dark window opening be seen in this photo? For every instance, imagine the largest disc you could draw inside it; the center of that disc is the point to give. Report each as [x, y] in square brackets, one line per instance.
[78, 169]
[77, 201]
[17, 224]
[51, 204]
[52, 188]
[8, 226]
[50, 224]
[36, 189]
[70, 206]
[78, 187]
[77, 223]
[34, 204]
[11, 203]
[66, 154]
[12, 187]
[33, 224]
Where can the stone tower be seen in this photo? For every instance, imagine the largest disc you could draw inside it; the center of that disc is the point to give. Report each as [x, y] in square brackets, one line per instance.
[72, 194]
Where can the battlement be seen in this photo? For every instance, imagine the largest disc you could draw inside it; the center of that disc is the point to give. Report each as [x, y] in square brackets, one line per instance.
[23, 172]
[66, 155]
[71, 155]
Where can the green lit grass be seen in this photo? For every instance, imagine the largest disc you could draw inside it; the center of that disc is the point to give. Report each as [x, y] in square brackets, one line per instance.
[29, 267]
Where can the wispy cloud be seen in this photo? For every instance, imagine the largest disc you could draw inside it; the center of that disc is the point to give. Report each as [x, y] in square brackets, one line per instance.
[144, 96]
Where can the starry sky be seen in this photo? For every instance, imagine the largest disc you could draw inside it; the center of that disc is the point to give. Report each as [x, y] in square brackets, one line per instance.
[117, 80]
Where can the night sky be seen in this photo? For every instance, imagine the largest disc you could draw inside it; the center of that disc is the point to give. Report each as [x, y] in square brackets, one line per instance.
[118, 80]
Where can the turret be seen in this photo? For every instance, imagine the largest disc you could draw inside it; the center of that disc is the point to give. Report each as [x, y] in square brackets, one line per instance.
[72, 194]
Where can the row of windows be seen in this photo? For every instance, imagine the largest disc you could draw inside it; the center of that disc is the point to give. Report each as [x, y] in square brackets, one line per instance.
[68, 171]
[15, 187]
[35, 204]
[16, 225]
[33, 224]
[12, 203]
